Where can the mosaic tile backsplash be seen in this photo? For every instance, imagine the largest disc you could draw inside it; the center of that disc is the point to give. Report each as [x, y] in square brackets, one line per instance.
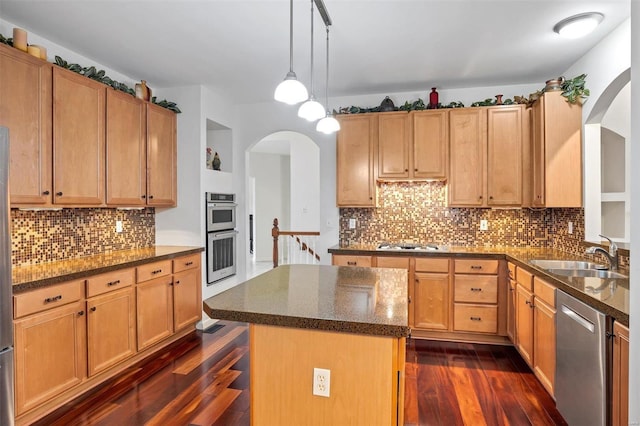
[417, 212]
[47, 235]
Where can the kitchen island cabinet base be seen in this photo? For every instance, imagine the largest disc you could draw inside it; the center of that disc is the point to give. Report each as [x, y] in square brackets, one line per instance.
[480, 338]
[366, 384]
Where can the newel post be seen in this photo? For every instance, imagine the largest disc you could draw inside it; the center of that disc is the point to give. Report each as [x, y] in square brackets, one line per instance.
[275, 233]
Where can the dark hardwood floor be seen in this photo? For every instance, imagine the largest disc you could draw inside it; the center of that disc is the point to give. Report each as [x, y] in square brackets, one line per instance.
[204, 380]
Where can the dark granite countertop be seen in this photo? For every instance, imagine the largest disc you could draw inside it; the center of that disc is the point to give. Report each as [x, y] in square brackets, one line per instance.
[25, 278]
[610, 296]
[334, 298]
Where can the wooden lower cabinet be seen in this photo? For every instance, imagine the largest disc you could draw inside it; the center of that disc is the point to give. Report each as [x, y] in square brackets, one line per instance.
[50, 354]
[620, 394]
[431, 301]
[111, 329]
[524, 323]
[187, 304]
[154, 301]
[544, 343]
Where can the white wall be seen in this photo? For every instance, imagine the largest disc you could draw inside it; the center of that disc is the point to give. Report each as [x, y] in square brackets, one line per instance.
[634, 308]
[305, 184]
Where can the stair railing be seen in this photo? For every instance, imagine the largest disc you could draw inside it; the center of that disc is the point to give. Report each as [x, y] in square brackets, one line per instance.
[296, 247]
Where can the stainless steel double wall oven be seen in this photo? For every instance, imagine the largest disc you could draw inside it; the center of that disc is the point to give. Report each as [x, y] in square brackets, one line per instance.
[221, 236]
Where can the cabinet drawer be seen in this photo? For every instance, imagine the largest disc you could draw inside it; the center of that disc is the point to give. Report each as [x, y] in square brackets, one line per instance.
[341, 260]
[524, 278]
[481, 319]
[186, 262]
[432, 265]
[153, 270]
[544, 291]
[476, 266]
[512, 271]
[476, 289]
[392, 262]
[110, 281]
[47, 298]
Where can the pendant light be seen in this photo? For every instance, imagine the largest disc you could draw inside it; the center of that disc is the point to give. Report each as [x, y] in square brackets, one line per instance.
[328, 124]
[311, 110]
[290, 90]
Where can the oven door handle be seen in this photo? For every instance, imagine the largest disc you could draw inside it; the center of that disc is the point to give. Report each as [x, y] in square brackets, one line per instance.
[223, 233]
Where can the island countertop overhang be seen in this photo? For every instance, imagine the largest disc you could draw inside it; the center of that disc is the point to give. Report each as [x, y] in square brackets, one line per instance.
[321, 297]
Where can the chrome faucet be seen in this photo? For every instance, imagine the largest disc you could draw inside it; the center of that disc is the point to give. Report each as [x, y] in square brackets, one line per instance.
[611, 255]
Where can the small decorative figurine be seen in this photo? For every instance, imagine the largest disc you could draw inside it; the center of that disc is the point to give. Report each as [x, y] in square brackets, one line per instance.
[216, 162]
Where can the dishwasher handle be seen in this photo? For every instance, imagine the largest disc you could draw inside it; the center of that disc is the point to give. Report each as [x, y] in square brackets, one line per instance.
[578, 318]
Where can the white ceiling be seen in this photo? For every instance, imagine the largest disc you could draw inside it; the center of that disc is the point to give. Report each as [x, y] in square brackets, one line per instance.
[240, 48]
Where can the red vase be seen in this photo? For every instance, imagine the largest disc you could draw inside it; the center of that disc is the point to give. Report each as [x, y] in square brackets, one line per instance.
[433, 98]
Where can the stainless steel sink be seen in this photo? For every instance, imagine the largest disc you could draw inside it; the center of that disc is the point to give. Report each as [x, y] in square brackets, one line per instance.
[565, 264]
[595, 273]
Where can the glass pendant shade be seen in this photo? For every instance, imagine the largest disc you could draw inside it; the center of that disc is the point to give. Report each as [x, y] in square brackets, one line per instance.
[311, 110]
[328, 125]
[290, 90]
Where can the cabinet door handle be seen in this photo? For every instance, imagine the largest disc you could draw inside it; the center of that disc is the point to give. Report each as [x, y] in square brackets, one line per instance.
[480, 197]
[406, 170]
[45, 193]
[150, 197]
[177, 282]
[112, 283]
[53, 299]
[59, 194]
[475, 318]
[81, 313]
[143, 196]
[409, 299]
[491, 197]
[93, 309]
[415, 170]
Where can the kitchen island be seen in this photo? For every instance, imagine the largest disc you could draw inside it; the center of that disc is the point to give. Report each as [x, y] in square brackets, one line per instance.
[350, 321]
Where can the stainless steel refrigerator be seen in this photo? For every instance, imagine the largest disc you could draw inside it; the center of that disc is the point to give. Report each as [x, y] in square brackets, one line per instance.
[6, 309]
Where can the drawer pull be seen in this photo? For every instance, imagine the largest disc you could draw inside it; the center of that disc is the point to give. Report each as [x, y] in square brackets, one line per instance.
[188, 264]
[476, 289]
[53, 299]
[352, 263]
[112, 283]
[475, 318]
[476, 267]
[157, 271]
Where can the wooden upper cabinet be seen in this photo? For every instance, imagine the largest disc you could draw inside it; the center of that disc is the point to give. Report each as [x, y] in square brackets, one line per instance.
[467, 153]
[504, 155]
[25, 109]
[394, 137]
[430, 144]
[355, 150]
[126, 164]
[557, 148]
[161, 156]
[78, 139]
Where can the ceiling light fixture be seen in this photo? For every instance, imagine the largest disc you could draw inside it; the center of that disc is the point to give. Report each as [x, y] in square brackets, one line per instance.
[328, 124]
[578, 25]
[290, 90]
[311, 110]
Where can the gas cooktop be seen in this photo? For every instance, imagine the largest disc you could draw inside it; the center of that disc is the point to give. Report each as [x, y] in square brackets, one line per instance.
[408, 246]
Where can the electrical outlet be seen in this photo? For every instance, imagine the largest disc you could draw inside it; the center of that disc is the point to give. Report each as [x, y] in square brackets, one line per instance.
[118, 226]
[484, 225]
[352, 223]
[321, 382]
[570, 230]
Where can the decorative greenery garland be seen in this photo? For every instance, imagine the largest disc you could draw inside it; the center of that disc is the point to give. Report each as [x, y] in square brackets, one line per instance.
[100, 76]
[572, 89]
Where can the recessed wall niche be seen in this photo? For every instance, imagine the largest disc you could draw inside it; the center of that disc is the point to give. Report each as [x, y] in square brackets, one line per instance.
[219, 152]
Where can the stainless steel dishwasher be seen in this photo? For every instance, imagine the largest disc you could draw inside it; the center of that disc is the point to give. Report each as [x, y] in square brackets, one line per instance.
[582, 354]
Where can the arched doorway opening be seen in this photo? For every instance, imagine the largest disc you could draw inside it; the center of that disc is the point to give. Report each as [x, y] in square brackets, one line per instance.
[283, 181]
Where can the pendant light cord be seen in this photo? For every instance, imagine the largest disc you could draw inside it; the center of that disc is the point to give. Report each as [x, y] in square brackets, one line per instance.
[291, 36]
[311, 94]
[326, 87]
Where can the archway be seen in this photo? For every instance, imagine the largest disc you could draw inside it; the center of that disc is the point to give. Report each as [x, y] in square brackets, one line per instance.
[283, 181]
